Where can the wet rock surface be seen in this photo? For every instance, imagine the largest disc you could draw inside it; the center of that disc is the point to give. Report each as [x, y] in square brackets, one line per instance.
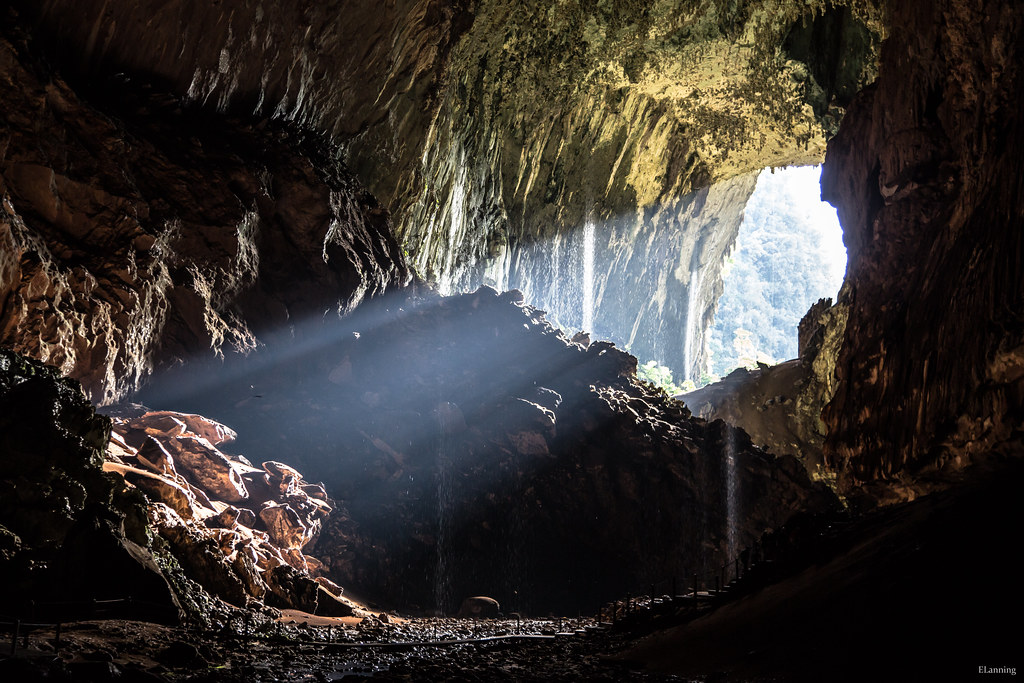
[469, 448]
[420, 650]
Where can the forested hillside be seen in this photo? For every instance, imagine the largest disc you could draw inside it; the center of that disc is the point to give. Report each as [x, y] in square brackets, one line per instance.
[788, 255]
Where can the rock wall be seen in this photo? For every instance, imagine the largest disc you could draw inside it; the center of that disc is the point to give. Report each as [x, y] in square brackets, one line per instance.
[780, 406]
[136, 231]
[926, 174]
[559, 116]
[496, 132]
[650, 288]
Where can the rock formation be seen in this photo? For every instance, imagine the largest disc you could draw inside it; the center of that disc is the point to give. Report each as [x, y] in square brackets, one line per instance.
[180, 204]
[926, 175]
[471, 448]
[497, 133]
[780, 406]
[136, 231]
[69, 533]
[80, 501]
[236, 529]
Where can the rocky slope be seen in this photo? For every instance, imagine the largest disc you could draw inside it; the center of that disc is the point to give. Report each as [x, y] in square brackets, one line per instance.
[136, 232]
[236, 529]
[780, 406]
[149, 511]
[471, 449]
[926, 174]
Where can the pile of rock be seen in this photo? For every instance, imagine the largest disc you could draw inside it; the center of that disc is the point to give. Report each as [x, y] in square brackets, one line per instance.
[237, 529]
[475, 449]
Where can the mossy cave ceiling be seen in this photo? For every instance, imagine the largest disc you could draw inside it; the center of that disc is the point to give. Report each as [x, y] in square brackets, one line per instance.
[493, 131]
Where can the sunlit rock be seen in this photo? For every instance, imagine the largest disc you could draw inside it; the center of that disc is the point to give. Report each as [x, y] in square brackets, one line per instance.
[225, 519]
[154, 456]
[158, 488]
[199, 554]
[285, 526]
[208, 468]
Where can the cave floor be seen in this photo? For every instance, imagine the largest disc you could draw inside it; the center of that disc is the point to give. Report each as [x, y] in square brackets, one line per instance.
[914, 592]
[486, 650]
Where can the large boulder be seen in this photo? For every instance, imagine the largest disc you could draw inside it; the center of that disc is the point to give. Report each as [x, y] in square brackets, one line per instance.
[208, 468]
[284, 525]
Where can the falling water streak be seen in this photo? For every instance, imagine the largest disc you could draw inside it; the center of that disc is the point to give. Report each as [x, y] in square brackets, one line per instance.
[442, 575]
[691, 313]
[730, 492]
[588, 276]
[556, 267]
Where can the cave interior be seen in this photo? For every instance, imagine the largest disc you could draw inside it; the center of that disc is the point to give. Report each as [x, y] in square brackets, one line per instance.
[320, 329]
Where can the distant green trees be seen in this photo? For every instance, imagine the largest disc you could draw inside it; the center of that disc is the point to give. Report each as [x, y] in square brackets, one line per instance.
[661, 376]
[788, 255]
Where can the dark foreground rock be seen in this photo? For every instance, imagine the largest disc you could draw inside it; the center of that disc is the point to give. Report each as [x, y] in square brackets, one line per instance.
[69, 533]
[895, 595]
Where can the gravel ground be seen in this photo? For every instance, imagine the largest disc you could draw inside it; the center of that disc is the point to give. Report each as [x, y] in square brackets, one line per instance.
[391, 649]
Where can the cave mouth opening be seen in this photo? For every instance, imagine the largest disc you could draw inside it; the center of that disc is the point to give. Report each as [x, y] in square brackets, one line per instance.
[789, 253]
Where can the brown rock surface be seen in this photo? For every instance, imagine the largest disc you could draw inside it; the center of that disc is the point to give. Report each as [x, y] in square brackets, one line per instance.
[780, 406]
[136, 231]
[925, 172]
[158, 488]
[227, 550]
[285, 527]
[208, 468]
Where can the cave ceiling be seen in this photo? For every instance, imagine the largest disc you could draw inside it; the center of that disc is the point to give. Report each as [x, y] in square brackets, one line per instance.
[558, 107]
[495, 132]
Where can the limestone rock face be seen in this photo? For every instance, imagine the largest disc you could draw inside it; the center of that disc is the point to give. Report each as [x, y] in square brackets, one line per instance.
[501, 136]
[134, 231]
[925, 173]
[780, 407]
[575, 144]
[470, 447]
[284, 526]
